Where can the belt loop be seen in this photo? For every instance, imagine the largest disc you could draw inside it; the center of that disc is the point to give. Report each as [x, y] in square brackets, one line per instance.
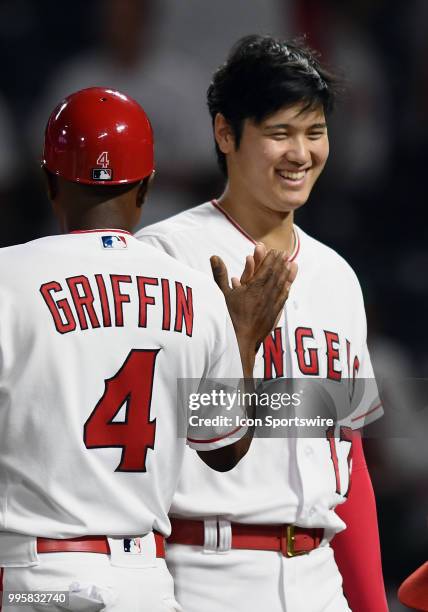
[224, 536]
[210, 536]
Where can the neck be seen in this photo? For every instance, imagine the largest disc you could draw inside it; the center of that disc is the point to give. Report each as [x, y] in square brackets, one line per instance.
[102, 216]
[273, 228]
[74, 225]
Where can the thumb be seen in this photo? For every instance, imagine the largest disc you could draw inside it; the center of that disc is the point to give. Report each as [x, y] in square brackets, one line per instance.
[220, 274]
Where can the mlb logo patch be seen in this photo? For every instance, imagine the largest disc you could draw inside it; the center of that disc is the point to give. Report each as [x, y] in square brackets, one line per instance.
[114, 242]
[132, 546]
[102, 174]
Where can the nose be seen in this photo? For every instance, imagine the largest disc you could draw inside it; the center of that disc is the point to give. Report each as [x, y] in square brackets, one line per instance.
[298, 152]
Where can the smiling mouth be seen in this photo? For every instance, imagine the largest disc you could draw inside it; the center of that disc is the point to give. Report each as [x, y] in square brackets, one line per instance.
[292, 176]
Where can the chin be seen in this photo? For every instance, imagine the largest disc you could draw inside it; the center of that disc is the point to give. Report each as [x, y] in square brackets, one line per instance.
[291, 205]
[287, 202]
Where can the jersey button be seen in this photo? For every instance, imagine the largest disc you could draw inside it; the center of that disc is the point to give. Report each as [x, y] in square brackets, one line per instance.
[309, 450]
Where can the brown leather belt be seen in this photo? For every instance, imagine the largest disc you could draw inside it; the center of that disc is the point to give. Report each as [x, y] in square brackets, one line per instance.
[89, 544]
[290, 540]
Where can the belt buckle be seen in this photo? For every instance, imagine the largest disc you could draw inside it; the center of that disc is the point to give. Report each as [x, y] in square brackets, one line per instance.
[289, 541]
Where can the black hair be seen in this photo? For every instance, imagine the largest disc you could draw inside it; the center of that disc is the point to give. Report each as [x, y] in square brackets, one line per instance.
[262, 75]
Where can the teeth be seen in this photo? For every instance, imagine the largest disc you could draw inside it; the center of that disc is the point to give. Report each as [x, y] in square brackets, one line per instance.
[294, 176]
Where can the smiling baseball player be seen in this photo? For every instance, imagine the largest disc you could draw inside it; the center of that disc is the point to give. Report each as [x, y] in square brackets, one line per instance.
[95, 330]
[258, 538]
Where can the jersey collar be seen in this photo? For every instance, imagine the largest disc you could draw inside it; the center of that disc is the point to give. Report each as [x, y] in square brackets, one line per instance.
[102, 231]
[240, 229]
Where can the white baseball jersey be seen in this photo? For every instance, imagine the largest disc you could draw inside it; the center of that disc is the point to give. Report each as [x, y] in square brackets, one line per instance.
[321, 334]
[95, 330]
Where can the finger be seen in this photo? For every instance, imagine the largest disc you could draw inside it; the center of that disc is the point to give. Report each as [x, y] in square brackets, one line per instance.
[279, 280]
[289, 267]
[272, 261]
[281, 272]
[271, 276]
[284, 291]
[235, 282]
[248, 270]
[274, 276]
[292, 272]
[260, 252]
[220, 273]
[279, 303]
[279, 295]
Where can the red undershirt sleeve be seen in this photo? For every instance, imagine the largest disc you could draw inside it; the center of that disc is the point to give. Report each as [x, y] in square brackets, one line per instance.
[357, 548]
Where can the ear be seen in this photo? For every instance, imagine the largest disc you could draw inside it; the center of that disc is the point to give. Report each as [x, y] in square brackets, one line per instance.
[143, 189]
[223, 134]
[51, 183]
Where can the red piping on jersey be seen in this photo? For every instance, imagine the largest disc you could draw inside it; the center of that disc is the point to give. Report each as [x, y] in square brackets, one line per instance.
[103, 231]
[360, 416]
[296, 247]
[215, 439]
[232, 221]
[244, 233]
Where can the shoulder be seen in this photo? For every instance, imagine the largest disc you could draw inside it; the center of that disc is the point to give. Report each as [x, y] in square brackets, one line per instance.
[21, 264]
[203, 285]
[28, 249]
[181, 225]
[194, 235]
[326, 260]
[166, 263]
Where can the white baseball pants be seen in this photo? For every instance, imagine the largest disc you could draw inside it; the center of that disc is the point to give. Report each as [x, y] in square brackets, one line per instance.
[92, 583]
[255, 581]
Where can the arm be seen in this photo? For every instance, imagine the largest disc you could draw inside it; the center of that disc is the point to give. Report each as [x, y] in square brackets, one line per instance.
[254, 303]
[357, 548]
[225, 458]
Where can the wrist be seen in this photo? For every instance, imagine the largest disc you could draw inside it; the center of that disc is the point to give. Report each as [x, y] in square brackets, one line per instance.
[248, 358]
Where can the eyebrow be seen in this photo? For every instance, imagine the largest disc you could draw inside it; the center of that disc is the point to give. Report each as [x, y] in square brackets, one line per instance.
[285, 126]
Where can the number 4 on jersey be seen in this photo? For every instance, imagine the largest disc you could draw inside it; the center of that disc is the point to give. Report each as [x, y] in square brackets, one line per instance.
[132, 384]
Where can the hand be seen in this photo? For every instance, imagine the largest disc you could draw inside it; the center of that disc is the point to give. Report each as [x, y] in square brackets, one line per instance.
[255, 300]
[252, 263]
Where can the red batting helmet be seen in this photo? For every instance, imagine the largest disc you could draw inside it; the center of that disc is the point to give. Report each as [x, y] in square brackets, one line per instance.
[99, 136]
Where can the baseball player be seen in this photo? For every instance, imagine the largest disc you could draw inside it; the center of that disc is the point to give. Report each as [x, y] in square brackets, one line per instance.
[259, 537]
[95, 330]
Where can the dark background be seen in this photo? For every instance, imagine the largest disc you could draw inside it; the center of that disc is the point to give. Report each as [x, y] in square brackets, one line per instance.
[370, 203]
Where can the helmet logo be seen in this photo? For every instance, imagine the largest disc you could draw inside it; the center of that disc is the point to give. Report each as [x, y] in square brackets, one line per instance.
[105, 173]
